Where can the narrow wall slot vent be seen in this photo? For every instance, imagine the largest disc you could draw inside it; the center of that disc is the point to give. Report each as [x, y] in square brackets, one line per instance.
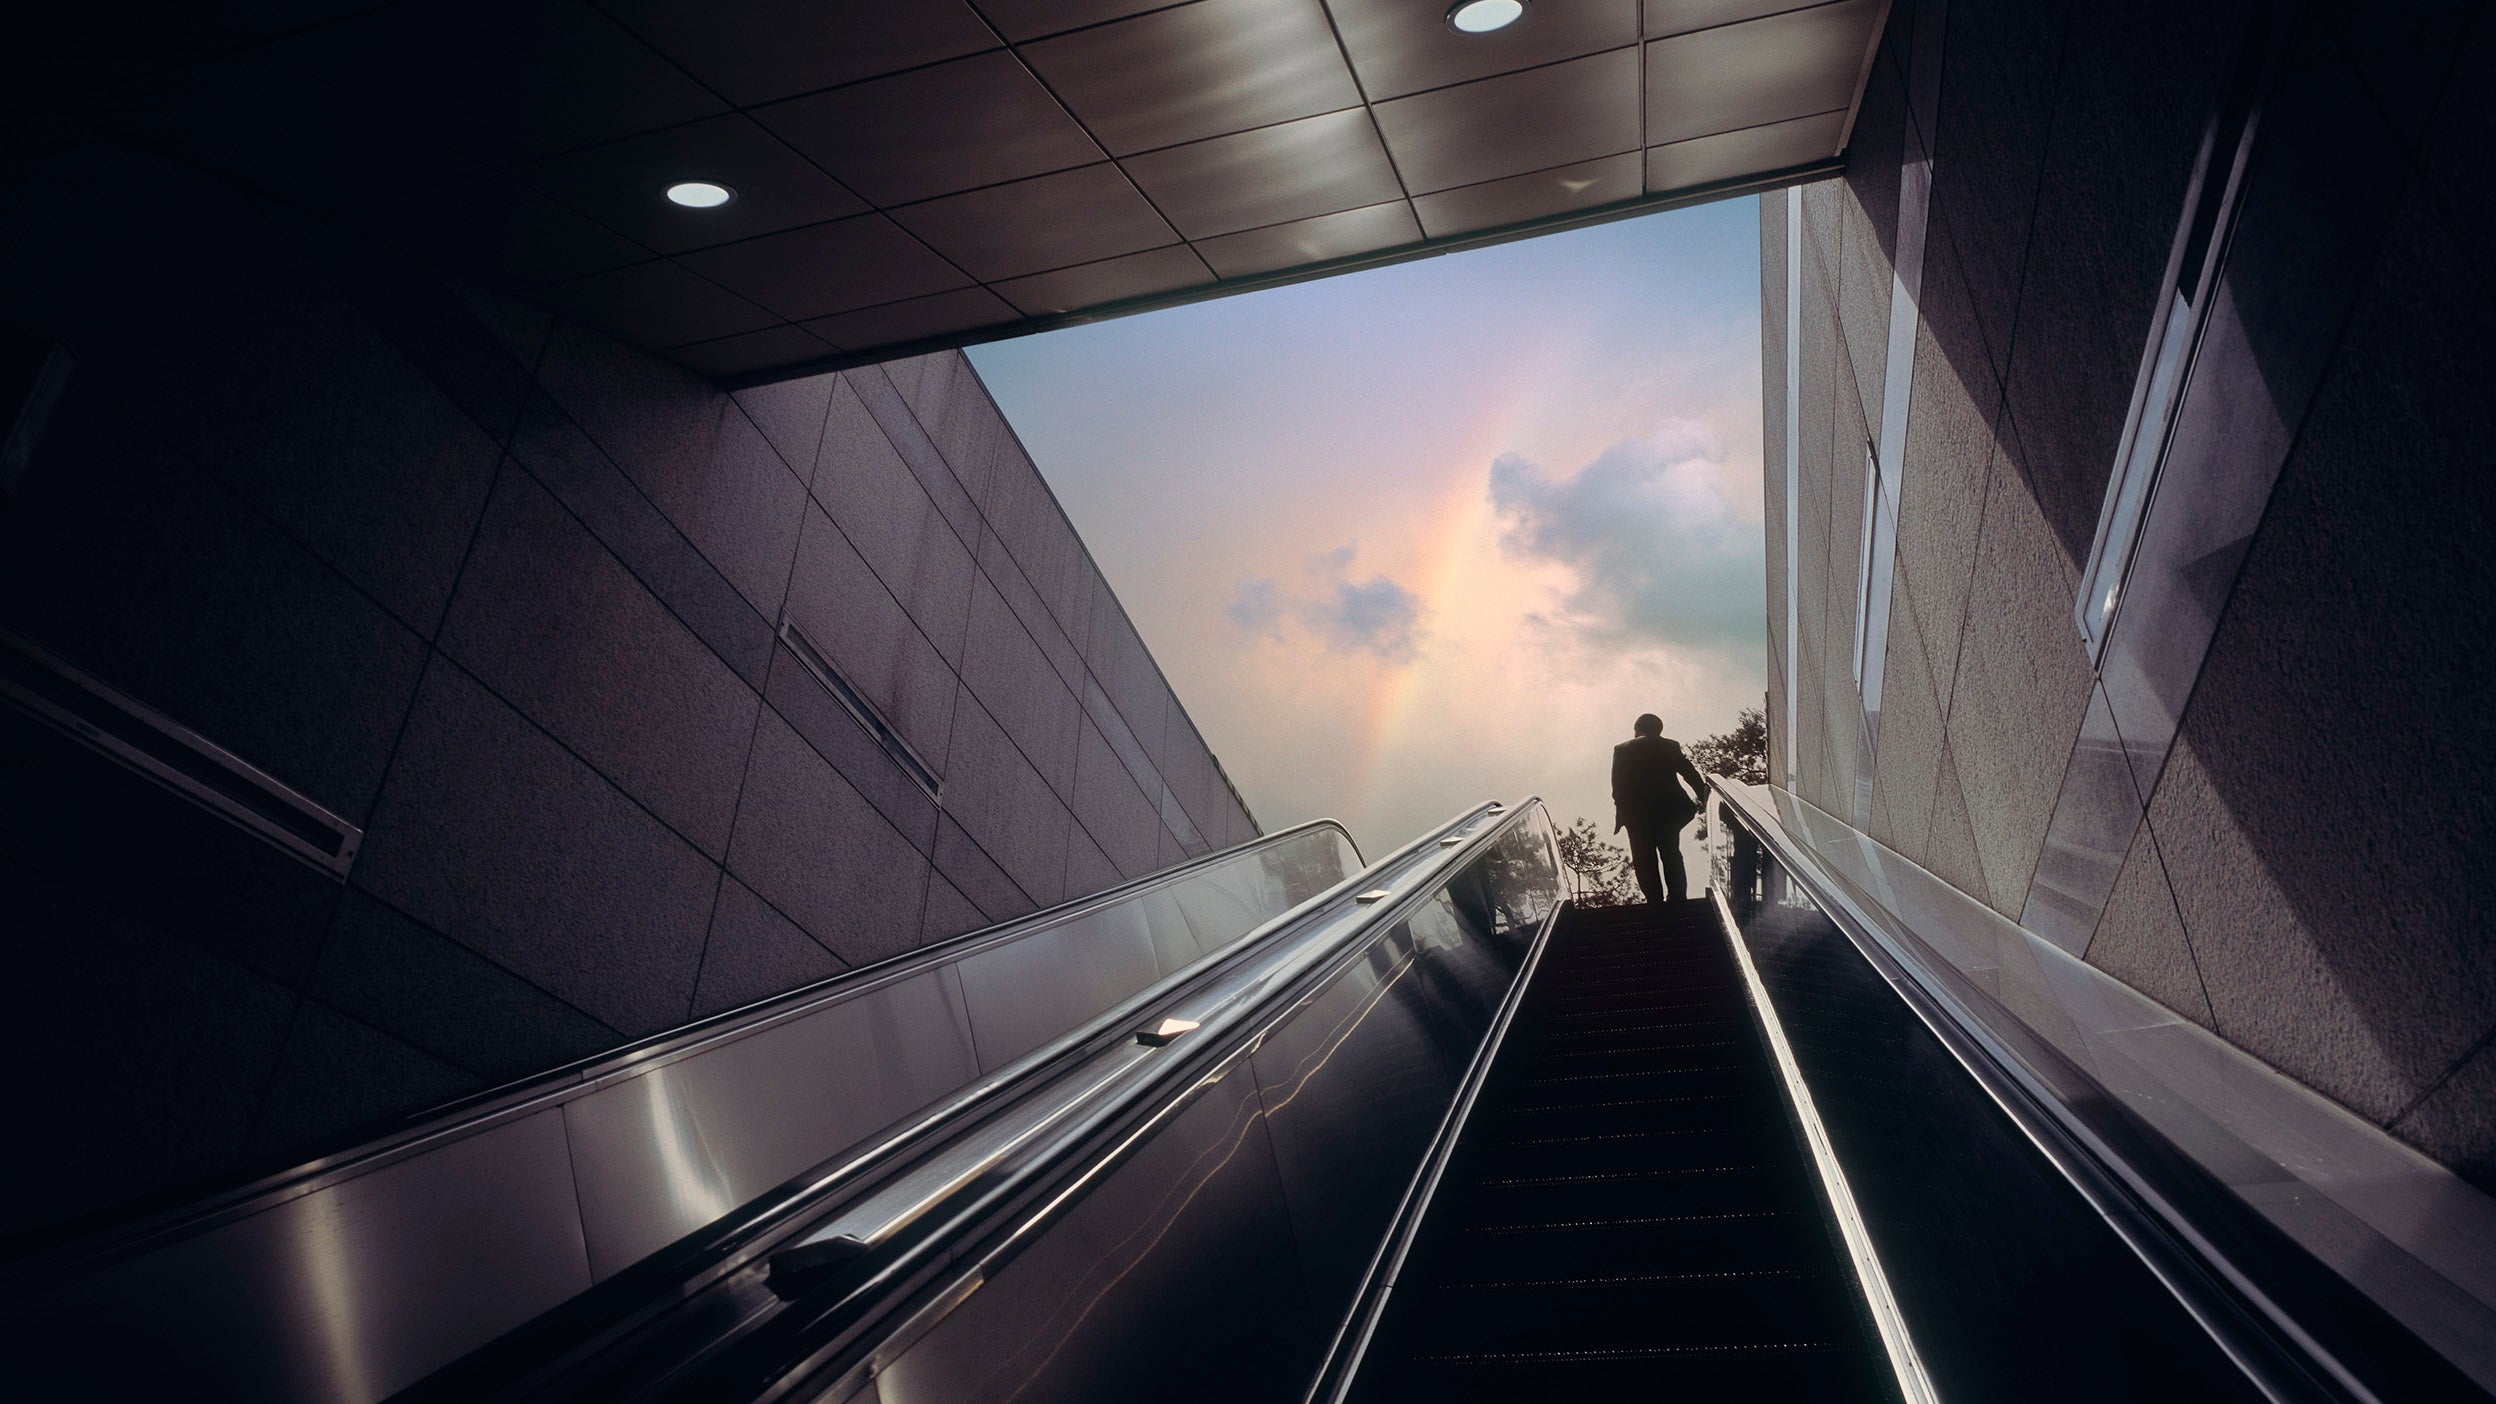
[859, 708]
[162, 749]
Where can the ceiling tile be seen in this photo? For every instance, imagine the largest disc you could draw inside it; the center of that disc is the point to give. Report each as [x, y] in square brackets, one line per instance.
[1757, 72]
[653, 304]
[1750, 151]
[1029, 19]
[1052, 221]
[1110, 280]
[1535, 195]
[757, 50]
[827, 268]
[1197, 71]
[1520, 122]
[932, 131]
[509, 81]
[963, 309]
[498, 229]
[1318, 240]
[1309, 167]
[1404, 46]
[1665, 17]
[770, 348]
[623, 184]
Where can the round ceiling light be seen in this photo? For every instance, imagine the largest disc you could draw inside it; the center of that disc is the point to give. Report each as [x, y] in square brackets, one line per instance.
[1483, 16]
[700, 194]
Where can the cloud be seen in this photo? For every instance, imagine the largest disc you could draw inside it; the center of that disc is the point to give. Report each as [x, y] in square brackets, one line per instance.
[1658, 554]
[1377, 616]
[1257, 607]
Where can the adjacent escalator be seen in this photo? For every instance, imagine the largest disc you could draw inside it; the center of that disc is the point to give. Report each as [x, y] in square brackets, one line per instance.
[1628, 1209]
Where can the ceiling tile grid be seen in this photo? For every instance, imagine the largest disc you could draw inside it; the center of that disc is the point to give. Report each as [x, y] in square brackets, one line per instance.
[909, 174]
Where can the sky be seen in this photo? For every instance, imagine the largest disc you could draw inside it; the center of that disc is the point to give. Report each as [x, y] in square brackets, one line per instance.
[1409, 539]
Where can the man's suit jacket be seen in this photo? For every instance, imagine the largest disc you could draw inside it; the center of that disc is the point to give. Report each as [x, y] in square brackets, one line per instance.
[1643, 791]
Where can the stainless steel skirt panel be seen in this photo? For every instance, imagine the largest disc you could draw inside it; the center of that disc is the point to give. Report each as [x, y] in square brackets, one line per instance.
[1137, 1292]
[1474, 938]
[354, 1292]
[662, 1154]
[1025, 994]
[356, 1276]
[1214, 1260]
[1353, 1086]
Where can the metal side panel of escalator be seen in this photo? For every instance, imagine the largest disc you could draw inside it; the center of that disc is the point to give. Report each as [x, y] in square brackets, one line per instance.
[355, 1275]
[1183, 1205]
[1449, 1139]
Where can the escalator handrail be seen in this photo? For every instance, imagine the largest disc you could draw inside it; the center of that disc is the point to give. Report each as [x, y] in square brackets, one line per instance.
[527, 1360]
[478, 1111]
[1096, 1136]
[2277, 1355]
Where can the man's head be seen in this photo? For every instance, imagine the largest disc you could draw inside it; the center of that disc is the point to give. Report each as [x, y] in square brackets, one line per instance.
[1649, 725]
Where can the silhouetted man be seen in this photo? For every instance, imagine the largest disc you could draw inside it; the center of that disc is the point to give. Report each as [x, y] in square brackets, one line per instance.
[1648, 801]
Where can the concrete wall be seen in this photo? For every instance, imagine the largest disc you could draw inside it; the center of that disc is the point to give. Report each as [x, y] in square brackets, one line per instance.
[504, 593]
[2298, 874]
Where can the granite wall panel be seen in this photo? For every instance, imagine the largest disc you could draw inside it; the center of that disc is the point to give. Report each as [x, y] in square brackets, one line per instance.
[849, 617]
[1772, 444]
[414, 983]
[127, 561]
[558, 628]
[858, 894]
[2285, 889]
[1006, 670]
[505, 593]
[2021, 688]
[754, 953]
[2137, 83]
[490, 831]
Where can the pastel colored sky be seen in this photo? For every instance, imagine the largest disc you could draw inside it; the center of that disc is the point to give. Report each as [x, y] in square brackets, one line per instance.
[1412, 538]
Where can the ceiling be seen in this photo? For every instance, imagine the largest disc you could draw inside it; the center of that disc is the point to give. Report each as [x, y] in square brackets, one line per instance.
[915, 173]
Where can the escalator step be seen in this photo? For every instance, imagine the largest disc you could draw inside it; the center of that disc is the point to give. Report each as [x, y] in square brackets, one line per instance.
[1632, 1311]
[1628, 1210]
[1821, 1373]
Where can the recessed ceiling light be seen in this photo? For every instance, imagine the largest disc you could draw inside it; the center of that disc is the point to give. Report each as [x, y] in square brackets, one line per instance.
[700, 194]
[1483, 16]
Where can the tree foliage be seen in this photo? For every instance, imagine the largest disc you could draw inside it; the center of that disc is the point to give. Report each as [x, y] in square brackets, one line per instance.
[1740, 754]
[1599, 871]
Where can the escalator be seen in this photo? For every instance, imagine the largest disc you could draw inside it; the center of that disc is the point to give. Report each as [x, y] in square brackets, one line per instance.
[1279, 1127]
[1629, 1209]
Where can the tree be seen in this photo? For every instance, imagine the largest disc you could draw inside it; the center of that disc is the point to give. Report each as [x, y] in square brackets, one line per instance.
[1599, 871]
[1740, 754]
